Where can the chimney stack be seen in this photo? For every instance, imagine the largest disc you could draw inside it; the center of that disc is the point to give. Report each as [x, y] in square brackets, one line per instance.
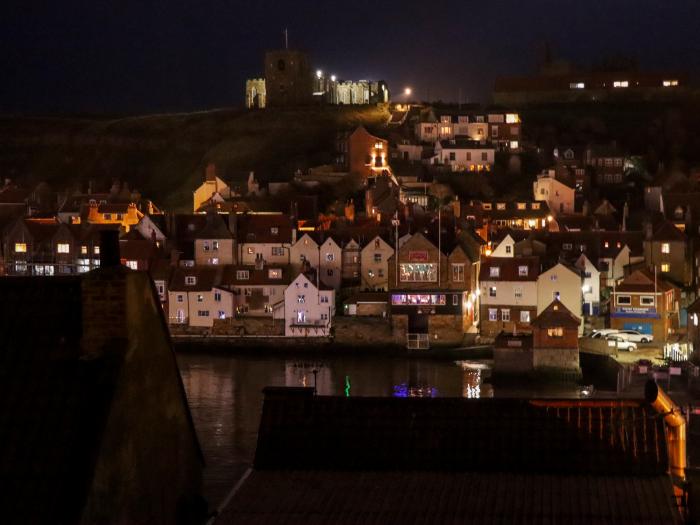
[109, 249]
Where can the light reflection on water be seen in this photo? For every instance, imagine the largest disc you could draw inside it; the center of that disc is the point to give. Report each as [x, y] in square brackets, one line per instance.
[225, 395]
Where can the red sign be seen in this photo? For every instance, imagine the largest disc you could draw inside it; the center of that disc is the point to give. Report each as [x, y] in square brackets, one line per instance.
[421, 256]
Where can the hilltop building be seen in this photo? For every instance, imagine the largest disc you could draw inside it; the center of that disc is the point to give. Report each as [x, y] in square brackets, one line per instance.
[290, 81]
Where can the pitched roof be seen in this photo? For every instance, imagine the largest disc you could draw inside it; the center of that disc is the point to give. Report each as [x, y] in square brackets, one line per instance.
[260, 228]
[206, 277]
[509, 268]
[666, 231]
[215, 228]
[454, 460]
[641, 281]
[556, 314]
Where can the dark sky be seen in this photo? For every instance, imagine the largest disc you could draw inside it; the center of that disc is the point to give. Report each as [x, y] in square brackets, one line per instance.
[132, 56]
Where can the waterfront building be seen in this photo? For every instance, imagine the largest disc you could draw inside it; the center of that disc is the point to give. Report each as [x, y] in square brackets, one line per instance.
[196, 297]
[432, 291]
[562, 282]
[591, 285]
[647, 303]
[508, 293]
[308, 308]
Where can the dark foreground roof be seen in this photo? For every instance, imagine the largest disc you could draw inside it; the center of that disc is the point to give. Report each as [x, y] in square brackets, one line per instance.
[53, 404]
[386, 460]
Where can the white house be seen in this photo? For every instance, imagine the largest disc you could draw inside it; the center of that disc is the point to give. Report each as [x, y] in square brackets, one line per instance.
[374, 262]
[563, 283]
[554, 192]
[304, 250]
[505, 248]
[331, 264]
[195, 297]
[308, 311]
[591, 285]
[465, 155]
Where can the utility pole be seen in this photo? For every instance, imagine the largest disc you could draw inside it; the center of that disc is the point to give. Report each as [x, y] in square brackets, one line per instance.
[286, 38]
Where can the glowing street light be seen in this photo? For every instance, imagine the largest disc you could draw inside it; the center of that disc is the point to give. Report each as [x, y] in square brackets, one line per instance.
[407, 91]
[332, 78]
[319, 73]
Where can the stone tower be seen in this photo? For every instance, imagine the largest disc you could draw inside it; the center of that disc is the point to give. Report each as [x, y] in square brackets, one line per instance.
[288, 78]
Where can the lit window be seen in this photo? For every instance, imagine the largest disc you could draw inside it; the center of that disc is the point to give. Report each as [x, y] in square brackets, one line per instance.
[670, 83]
[493, 314]
[251, 250]
[495, 271]
[214, 245]
[665, 267]
[274, 230]
[522, 271]
[301, 299]
[134, 265]
[492, 291]
[577, 85]
[274, 273]
[200, 298]
[418, 272]
[525, 316]
[512, 118]
[83, 250]
[556, 331]
[96, 250]
[514, 144]
[665, 248]
[330, 257]
[63, 248]
[621, 84]
[20, 247]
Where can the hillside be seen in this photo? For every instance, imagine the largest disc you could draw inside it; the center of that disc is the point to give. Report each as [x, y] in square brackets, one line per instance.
[163, 155]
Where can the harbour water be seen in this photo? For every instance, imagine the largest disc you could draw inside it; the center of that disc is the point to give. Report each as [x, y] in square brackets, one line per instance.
[225, 395]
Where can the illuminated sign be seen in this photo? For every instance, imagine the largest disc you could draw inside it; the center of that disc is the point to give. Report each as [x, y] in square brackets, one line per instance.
[418, 256]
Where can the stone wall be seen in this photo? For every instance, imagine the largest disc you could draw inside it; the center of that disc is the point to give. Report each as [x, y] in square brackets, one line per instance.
[512, 361]
[551, 358]
[449, 329]
[366, 331]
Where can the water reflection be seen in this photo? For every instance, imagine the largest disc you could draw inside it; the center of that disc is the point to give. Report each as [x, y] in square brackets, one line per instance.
[225, 395]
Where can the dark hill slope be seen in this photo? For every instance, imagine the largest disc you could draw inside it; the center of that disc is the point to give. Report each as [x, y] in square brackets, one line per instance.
[163, 155]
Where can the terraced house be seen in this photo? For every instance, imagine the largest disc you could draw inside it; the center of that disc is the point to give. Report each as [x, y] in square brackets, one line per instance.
[433, 293]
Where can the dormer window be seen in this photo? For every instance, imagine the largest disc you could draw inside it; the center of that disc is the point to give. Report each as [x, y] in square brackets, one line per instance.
[555, 331]
[274, 230]
[486, 206]
[501, 206]
[242, 275]
[535, 205]
[522, 206]
[495, 271]
[20, 247]
[190, 280]
[666, 247]
[522, 271]
[63, 247]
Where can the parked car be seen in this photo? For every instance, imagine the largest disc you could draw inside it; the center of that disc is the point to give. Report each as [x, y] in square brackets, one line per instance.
[635, 336]
[598, 334]
[620, 343]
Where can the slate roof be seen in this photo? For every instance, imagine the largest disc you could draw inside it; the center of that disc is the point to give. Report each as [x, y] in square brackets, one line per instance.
[465, 144]
[643, 281]
[327, 459]
[509, 268]
[556, 314]
[257, 228]
[666, 231]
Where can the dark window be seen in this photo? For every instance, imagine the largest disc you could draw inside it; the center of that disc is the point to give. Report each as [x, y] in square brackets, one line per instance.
[281, 65]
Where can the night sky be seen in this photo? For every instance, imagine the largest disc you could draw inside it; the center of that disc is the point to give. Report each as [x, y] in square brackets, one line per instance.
[141, 56]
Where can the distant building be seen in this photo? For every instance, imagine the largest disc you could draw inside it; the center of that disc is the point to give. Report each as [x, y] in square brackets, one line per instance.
[308, 309]
[558, 195]
[580, 86]
[290, 81]
[465, 155]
